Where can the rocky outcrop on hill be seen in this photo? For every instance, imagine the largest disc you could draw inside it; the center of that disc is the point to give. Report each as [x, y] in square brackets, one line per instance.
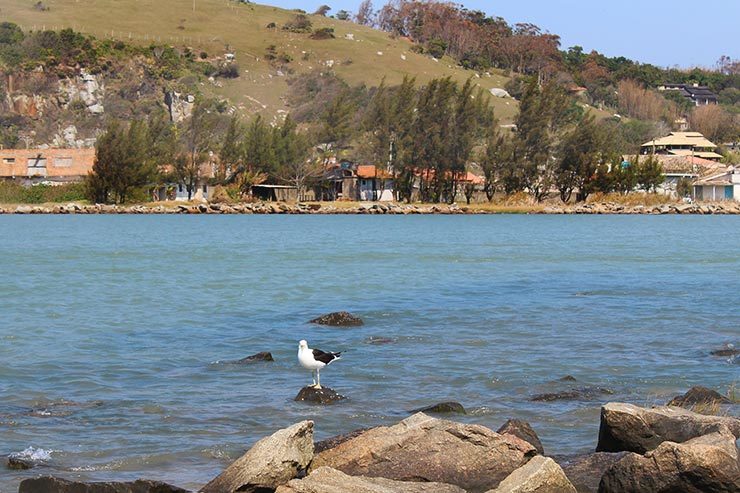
[706, 464]
[626, 427]
[539, 475]
[422, 448]
[328, 480]
[271, 462]
[47, 484]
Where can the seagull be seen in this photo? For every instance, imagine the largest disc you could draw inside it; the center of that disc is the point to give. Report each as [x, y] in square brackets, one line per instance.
[315, 360]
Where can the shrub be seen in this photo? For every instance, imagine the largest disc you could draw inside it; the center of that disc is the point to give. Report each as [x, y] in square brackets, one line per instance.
[437, 48]
[271, 25]
[323, 10]
[299, 24]
[323, 33]
[15, 193]
[229, 71]
[203, 55]
[417, 49]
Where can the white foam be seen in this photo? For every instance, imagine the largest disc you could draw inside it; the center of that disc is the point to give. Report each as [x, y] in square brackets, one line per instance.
[33, 454]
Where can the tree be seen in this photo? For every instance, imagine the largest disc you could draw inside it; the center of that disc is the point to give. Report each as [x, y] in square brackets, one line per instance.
[649, 173]
[198, 143]
[493, 160]
[365, 13]
[336, 120]
[343, 15]
[231, 154]
[122, 163]
[715, 123]
[582, 155]
[322, 11]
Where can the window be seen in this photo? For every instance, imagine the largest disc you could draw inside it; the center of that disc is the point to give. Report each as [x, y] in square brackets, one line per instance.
[63, 162]
[205, 188]
[179, 187]
[8, 160]
[37, 162]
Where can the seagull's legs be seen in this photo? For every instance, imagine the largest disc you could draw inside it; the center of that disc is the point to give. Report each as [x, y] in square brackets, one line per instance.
[313, 378]
[318, 379]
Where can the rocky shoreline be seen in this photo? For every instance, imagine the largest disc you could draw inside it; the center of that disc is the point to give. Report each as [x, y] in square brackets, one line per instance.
[640, 450]
[714, 208]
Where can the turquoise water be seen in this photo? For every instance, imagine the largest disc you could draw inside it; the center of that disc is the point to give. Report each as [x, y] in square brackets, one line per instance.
[115, 330]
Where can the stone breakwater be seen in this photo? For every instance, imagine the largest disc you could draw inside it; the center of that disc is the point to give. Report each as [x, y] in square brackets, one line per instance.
[378, 208]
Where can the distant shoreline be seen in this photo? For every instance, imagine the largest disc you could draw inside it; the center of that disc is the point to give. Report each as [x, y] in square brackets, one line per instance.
[715, 208]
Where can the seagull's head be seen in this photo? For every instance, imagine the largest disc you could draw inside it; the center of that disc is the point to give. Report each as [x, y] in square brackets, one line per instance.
[303, 344]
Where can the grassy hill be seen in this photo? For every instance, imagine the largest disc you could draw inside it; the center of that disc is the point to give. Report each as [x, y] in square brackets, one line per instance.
[358, 54]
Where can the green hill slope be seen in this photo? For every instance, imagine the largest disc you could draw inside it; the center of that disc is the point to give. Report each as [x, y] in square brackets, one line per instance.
[358, 54]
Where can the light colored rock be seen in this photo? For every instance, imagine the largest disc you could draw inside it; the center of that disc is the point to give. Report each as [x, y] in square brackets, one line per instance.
[271, 462]
[539, 475]
[180, 107]
[707, 464]
[500, 93]
[328, 480]
[422, 448]
[626, 427]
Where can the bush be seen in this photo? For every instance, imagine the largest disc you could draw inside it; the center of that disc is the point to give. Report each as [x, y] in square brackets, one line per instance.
[437, 48]
[299, 24]
[15, 193]
[203, 55]
[229, 71]
[323, 33]
[323, 10]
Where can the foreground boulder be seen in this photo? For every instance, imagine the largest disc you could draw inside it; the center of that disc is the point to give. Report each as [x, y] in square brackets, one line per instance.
[328, 480]
[585, 471]
[422, 448]
[698, 396]
[272, 461]
[324, 395]
[442, 408]
[522, 429]
[707, 464]
[48, 484]
[626, 427]
[539, 475]
[338, 319]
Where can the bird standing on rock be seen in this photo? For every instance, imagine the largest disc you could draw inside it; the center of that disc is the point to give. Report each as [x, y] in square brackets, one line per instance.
[315, 360]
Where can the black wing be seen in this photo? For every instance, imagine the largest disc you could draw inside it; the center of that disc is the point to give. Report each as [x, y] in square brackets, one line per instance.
[325, 358]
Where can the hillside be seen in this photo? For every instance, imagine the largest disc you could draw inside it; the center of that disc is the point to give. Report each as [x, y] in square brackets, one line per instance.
[358, 54]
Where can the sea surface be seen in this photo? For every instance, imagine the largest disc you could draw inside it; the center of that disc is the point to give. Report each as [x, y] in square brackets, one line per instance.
[116, 332]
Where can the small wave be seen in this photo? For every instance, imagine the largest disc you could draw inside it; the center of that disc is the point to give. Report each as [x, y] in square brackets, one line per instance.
[33, 454]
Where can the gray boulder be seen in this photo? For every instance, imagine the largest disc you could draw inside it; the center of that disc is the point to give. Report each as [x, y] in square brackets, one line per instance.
[585, 471]
[522, 429]
[539, 475]
[255, 358]
[328, 480]
[422, 448]
[707, 464]
[338, 319]
[48, 484]
[324, 395]
[442, 408]
[626, 427]
[698, 395]
[271, 462]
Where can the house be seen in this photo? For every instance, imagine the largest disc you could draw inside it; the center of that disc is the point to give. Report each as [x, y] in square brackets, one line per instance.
[682, 144]
[374, 183]
[280, 193]
[720, 186]
[699, 95]
[46, 166]
[677, 168]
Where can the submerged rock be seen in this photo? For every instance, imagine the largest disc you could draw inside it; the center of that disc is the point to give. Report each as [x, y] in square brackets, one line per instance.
[255, 358]
[581, 393]
[19, 463]
[539, 475]
[626, 427]
[338, 319]
[522, 429]
[567, 378]
[423, 448]
[324, 395]
[698, 395]
[271, 462]
[328, 480]
[585, 471]
[728, 351]
[48, 484]
[442, 408]
[379, 340]
[704, 464]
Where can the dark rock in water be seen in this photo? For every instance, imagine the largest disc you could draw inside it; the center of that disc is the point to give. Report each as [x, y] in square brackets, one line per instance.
[567, 378]
[334, 441]
[698, 395]
[48, 484]
[582, 393]
[441, 408]
[585, 471]
[706, 464]
[522, 429]
[324, 395]
[19, 463]
[255, 358]
[626, 427]
[728, 351]
[338, 319]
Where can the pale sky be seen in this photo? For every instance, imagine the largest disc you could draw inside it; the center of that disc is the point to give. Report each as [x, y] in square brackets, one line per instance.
[680, 32]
